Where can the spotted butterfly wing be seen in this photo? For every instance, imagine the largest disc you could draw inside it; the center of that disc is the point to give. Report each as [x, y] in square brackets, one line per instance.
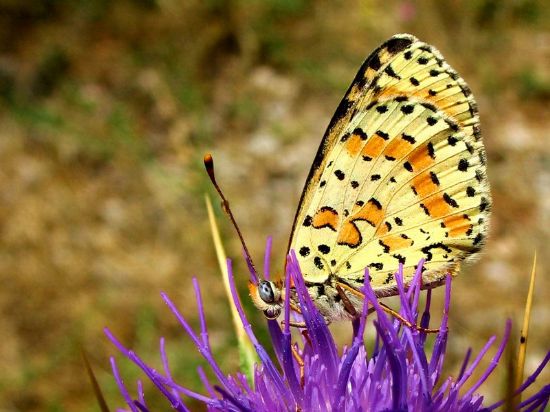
[399, 176]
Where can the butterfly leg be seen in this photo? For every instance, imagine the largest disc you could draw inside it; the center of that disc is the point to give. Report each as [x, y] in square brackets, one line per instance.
[300, 325]
[404, 321]
[300, 362]
[347, 303]
[341, 287]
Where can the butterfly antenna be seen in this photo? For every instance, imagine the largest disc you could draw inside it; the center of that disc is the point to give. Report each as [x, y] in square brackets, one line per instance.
[209, 165]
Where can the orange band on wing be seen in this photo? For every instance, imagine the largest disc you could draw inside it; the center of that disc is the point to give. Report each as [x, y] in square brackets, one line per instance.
[458, 225]
[436, 206]
[371, 212]
[382, 229]
[374, 147]
[354, 144]
[424, 185]
[397, 148]
[325, 217]
[420, 158]
[349, 235]
[397, 242]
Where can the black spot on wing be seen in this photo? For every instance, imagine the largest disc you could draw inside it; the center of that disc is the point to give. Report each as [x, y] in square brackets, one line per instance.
[304, 251]
[484, 204]
[376, 203]
[324, 249]
[407, 109]
[463, 165]
[431, 151]
[359, 132]
[477, 132]
[385, 247]
[382, 134]
[452, 140]
[427, 250]
[452, 125]
[434, 178]
[423, 60]
[408, 138]
[318, 262]
[429, 106]
[449, 200]
[479, 175]
[453, 75]
[400, 259]
[390, 72]
[478, 239]
[425, 209]
[307, 221]
[374, 62]
[397, 44]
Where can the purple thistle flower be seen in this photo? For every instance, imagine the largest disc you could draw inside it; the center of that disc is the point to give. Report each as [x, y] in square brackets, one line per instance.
[399, 375]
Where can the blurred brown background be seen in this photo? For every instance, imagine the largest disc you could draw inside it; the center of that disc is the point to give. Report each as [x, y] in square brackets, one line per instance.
[106, 109]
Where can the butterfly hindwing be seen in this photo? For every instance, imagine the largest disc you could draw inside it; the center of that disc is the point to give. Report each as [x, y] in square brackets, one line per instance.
[399, 175]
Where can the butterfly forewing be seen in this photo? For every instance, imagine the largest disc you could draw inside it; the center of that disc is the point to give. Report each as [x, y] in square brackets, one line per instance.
[399, 176]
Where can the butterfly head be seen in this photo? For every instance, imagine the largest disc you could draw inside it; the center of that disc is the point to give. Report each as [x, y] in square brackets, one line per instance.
[267, 297]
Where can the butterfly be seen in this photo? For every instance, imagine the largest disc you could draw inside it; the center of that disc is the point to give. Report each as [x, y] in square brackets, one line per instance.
[400, 176]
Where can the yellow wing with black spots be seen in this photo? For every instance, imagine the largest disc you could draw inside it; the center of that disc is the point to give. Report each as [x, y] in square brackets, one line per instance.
[399, 176]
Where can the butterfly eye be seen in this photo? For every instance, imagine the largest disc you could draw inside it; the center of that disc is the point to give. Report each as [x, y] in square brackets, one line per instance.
[272, 312]
[265, 289]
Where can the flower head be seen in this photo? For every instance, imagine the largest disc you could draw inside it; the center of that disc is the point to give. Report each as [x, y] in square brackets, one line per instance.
[399, 374]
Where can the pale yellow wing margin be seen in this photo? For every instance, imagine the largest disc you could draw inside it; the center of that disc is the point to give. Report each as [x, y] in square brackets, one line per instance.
[401, 177]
